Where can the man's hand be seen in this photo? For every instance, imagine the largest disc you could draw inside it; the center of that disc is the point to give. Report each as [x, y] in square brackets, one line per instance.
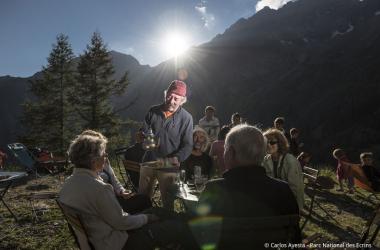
[174, 161]
[152, 218]
[126, 195]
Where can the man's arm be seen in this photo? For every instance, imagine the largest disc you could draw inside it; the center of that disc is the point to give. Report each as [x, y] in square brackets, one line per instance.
[147, 121]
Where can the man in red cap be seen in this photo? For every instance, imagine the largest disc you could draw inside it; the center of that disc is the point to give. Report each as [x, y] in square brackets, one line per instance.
[172, 126]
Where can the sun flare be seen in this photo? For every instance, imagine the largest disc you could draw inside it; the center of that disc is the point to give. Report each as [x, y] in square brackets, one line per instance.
[175, 44]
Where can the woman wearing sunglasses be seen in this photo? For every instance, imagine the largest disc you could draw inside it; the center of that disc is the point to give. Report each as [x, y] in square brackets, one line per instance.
[280, 164]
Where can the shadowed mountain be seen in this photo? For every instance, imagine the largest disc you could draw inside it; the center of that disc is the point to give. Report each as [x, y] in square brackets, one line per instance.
[315, 62]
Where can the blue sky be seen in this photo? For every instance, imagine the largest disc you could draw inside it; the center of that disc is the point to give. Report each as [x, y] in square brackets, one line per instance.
[28, 28]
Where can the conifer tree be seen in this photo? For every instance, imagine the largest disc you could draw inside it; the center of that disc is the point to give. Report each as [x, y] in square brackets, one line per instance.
[46, 115]
[94, 88]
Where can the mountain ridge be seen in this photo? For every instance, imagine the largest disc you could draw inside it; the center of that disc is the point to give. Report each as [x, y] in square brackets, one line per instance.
[284, 62]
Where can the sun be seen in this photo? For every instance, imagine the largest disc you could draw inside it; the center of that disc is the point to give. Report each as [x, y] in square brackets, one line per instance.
[175, 44]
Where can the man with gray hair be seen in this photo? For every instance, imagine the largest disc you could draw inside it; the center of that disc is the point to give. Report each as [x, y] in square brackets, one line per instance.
[245, 190]
[254, 209]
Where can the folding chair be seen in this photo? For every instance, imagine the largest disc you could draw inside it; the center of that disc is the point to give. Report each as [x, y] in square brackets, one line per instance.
[245, 233]
[311, 175]
[129, 166]
[76, 226]
[361, 181]
[30, 162]
[374, 220]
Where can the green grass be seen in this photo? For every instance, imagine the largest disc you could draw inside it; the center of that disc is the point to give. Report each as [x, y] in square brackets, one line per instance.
[48, 231]
[337, 216]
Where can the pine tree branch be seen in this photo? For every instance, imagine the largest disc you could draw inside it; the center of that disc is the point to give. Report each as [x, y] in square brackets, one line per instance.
[126, 106]
[84, 117]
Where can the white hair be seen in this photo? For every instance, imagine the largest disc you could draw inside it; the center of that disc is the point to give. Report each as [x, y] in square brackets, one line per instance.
[85, 148]
[201, 130]
[248, 143]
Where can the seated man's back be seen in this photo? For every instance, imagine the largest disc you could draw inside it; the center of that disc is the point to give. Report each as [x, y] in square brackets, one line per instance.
[246, 193]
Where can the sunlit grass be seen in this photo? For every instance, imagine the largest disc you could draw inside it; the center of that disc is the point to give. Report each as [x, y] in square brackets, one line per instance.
[337, 216]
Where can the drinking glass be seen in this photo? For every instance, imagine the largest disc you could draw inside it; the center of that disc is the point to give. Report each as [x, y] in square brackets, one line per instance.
[182, 177]
[200, 183]
[177, 179]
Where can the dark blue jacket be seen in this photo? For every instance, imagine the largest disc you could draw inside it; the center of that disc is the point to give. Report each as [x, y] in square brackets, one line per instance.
[175, 133]
[248, 192]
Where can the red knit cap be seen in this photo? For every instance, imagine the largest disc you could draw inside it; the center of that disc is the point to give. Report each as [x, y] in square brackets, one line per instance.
[177, 87]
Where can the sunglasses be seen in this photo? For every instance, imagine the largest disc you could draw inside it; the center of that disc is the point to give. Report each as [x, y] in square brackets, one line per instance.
[272, 142]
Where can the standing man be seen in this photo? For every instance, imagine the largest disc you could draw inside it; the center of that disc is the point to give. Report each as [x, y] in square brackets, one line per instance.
[172, 126]
[210, 123]
[235, 120]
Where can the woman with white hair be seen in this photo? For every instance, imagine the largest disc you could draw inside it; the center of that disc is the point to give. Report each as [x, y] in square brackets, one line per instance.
[130, 202]
[107, 225]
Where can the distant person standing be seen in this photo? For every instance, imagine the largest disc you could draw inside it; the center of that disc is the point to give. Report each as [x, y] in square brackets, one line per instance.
[172, 125]
[278, 123]
[210, 123]
[235, 120]
[295, 145]
[343, 170]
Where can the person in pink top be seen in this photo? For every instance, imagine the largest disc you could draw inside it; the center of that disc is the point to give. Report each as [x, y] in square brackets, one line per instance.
[217, 150]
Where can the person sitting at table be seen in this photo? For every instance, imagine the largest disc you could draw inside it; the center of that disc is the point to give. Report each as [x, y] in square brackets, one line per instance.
[245, 190]
[107, 225]
[217, 151]
[279, 164]
[130, 202]
[198, 157]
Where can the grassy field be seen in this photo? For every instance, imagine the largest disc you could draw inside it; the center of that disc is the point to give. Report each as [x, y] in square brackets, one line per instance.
[339, 217]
